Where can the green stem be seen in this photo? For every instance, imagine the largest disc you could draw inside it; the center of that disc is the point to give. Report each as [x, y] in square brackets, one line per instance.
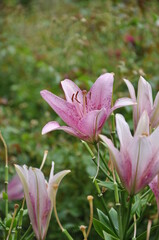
[118, 205]
[120, 221]
[146, 193]
[105, 207]
[20, 220]
[6, 174]
[26, 233]
[110, 178]
[103, 161]
[128, 217]
[67, 234]
[31, 236]
[138, 221]
[113, 129]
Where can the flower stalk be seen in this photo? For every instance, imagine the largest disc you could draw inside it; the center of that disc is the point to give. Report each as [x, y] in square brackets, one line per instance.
[20, 220]
[83, 230]
[6, 174]
[90, 199]
[55, 187]
[16, 206]
[100, 194]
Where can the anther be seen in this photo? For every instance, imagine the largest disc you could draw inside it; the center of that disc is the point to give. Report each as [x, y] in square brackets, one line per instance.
[72, 97]
[76, 97]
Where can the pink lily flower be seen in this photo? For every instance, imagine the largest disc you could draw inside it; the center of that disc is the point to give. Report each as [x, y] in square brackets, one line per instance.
[154, 185]
[84, 113]
[137, 162]
[15, 189]
[39, 196]
[144, 102]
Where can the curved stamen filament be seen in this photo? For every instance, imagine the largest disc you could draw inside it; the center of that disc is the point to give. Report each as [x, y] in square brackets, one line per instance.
[84, 92]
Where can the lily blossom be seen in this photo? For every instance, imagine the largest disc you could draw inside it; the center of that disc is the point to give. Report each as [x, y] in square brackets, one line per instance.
[84, 113]
[137, 162]
[154, 185]
[15, 189]
[144, 102]
[39, 196]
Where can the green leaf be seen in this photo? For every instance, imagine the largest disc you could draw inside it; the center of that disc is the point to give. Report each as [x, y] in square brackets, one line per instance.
[108, 185]
[105, 220]
[143, 235]
[5, 196]
[100, 227]
[114, 217]
[109, 237]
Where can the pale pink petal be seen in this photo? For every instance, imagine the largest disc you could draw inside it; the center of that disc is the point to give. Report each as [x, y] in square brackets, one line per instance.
[154, 138]
[91, 124]
[144, 97]
[40, 199]
[122, 102]
[114, 151]
[145, 164]
[23, 175]
[131, 89]
[51, 126]
[100, 94]
[154, 185]
[70, 88]
[143, 125]
[155, 113]
[130, 156]
[55, 179]
[15, 189]
[64, 109]
[133, 97]
[123, 131]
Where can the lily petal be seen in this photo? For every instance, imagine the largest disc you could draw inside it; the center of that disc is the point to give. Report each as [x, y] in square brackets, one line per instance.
[64, 109]
[143, 125]
[122, 102]
[70, 88]
[15, 189]
[55, 179]
[133, 97]
[154, 185]
[23, 175]
[100, 94]
[155, 112]
[144, 97]
[91, 124]
[123, 130]
[38, 202]
[114, 151]
[52, 126]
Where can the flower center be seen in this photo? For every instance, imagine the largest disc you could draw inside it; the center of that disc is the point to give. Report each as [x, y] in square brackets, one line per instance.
[78, 104]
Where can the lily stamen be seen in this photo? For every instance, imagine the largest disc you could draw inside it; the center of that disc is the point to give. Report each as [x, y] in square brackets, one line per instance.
[84, 92]
[72, 97]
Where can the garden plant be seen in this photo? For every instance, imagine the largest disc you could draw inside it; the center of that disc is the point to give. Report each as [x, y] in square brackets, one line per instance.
[98, 177]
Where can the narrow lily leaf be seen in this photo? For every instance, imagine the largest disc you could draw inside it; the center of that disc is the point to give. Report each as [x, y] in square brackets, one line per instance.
[100, 227]
[143, 235]
[136, 208]
[109, 237]
[114, 217]
[109, 185]
[103, 218]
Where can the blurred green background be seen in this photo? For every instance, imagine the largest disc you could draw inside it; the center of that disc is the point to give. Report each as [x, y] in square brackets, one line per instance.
[44, 42]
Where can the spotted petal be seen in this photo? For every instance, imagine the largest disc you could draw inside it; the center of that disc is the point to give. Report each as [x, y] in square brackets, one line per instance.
[64, 109]
[100, 94]
[71, 90]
